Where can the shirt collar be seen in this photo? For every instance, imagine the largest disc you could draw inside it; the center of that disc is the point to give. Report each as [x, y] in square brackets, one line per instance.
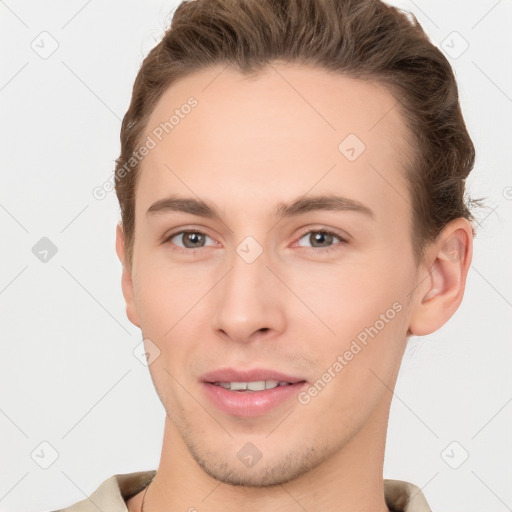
[113, 493]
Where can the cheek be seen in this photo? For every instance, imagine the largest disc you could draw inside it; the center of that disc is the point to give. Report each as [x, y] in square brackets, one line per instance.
[357, 310]
[173, 307]
[164, 292]
[356, 362]
[348, 296]
[157, 301]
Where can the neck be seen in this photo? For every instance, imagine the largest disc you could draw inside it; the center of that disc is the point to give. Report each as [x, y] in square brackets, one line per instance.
[351, 479]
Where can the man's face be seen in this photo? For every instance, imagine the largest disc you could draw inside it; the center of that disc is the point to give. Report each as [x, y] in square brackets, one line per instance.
[252, 290]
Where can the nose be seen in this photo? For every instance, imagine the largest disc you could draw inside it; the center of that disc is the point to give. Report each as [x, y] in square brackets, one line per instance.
[248, 301]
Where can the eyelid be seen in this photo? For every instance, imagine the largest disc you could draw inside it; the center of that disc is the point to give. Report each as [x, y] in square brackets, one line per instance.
[344, 238]
[167, 238]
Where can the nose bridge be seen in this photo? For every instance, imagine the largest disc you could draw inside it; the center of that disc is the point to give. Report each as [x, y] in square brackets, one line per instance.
[246, 300]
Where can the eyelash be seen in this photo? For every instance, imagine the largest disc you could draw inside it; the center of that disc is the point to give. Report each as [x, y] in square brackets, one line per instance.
[185, 250]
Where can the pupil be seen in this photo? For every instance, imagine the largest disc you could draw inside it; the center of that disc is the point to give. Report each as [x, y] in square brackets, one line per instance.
[321, 235]
[196, 237]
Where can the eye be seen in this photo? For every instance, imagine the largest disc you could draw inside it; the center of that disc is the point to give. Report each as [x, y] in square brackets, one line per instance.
[190, 240]
[322, 239]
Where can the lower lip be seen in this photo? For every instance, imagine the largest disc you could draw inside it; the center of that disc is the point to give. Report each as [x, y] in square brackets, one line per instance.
[250, 403]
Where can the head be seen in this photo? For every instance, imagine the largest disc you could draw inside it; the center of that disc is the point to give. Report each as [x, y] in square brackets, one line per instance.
[264, 114]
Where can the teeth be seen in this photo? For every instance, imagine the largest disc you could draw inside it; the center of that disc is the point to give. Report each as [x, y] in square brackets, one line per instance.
[237, 386]
[260, 385]
[257, 386]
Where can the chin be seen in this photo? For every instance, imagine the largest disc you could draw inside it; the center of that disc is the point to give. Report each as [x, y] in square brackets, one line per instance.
[278, 469]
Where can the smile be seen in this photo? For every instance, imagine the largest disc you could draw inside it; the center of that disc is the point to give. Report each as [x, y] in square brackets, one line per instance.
[259, 385]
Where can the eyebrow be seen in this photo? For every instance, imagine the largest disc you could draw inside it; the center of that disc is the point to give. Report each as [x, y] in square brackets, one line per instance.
[283, 210]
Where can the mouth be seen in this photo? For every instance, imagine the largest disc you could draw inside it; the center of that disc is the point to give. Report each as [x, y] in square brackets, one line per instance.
[250, 393]
[251, 387]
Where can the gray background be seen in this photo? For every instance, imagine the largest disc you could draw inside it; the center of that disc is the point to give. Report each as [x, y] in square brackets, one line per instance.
[77, 405]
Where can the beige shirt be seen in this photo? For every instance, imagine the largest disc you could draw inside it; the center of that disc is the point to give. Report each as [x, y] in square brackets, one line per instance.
[112, 494]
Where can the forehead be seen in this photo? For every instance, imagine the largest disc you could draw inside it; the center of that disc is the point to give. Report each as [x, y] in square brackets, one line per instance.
[275, 134]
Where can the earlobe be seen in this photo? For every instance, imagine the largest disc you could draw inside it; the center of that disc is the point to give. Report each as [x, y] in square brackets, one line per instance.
[442, 289]
[126, 278]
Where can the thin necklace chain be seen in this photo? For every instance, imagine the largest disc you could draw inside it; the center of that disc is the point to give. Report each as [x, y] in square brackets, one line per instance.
[143, 498]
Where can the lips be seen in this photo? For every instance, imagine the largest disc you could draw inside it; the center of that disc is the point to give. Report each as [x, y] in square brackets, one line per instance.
[253, 375]
[249, 393]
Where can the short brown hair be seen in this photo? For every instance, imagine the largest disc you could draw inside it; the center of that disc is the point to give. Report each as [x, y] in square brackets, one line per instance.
[364, 39]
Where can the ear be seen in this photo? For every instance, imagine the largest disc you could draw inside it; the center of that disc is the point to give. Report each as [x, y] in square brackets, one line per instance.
[126, 278]
[444, 280]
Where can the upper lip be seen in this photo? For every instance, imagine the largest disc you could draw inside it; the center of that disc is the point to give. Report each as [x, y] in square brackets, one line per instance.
[249, 375]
